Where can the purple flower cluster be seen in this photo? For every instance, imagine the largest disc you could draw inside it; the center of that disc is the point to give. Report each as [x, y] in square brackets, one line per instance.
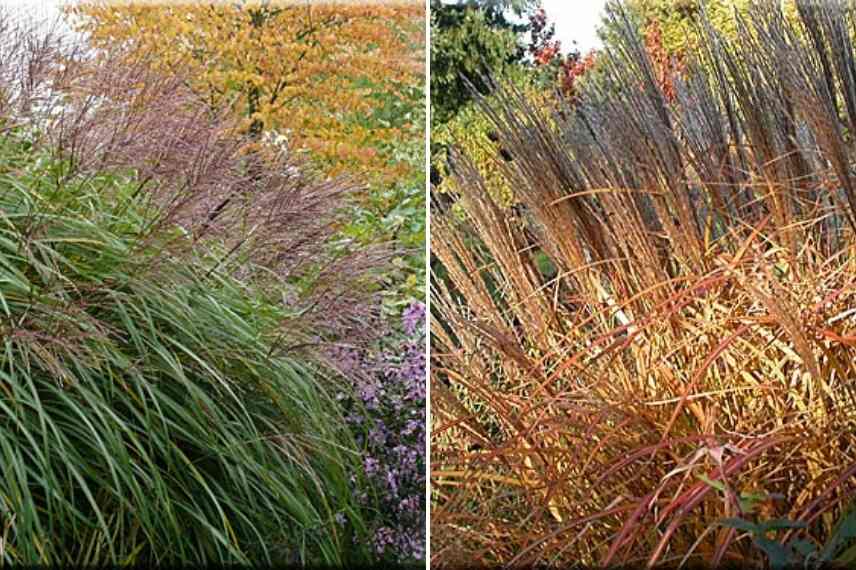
[387, 412]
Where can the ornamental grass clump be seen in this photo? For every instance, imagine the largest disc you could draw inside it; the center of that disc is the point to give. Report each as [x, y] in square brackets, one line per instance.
[659, 334]
[163, 307]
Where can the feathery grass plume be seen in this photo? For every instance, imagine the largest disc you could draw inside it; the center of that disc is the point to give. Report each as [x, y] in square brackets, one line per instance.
[153, 408]
[100, 110]
[688, 352]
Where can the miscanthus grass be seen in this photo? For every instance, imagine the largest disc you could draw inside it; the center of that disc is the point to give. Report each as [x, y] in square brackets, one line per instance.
[658, 337]
[144, 418]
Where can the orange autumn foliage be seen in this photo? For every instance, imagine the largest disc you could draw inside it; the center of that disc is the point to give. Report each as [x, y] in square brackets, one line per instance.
[573, 69]
[666, 66]
[310, 71]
